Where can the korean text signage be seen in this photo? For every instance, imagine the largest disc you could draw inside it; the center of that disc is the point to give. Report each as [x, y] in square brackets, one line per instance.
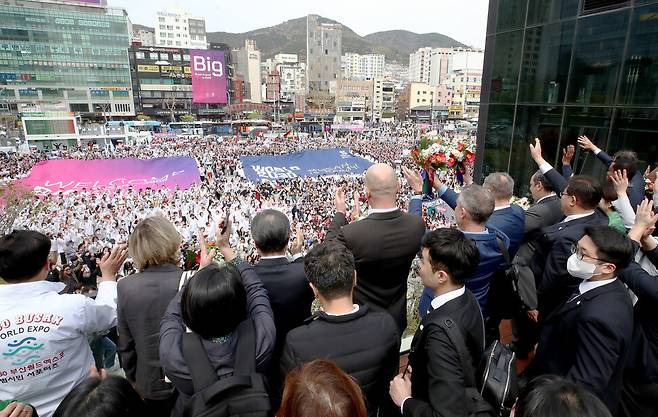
[319, 163]
[208, 76]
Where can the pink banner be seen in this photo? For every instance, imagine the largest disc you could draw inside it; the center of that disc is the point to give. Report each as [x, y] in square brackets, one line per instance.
[208, 76]
[69, 175]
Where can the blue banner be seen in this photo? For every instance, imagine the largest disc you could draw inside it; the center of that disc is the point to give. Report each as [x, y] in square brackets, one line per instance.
[319, 163]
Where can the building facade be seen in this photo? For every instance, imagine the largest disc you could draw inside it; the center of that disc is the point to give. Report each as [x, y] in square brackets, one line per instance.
[563, 68]
[179, 29]
[419, 65]
[248, 66]
[144, 37]
[323, 53]
[362, 67]
[64, 56]
[354, 100]
[162, 83]
[383, 99]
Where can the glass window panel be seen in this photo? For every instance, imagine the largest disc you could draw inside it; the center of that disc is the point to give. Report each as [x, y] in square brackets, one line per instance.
[640, 76]
[593, 122]
[506, 62]
[544, 11]
[597, 58]
[545, 67]
[532, 122]
[636, 129]
[498, 136]
[511, 14]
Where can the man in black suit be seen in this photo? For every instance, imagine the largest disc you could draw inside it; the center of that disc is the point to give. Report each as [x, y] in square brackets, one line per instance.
[546, 211]
[579, 200]
[587, 337]
[436, 381]
[383, 244]
[640, 386]
[363, 343]
[284, 280]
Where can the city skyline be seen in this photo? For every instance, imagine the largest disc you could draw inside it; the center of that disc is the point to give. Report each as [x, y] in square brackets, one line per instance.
[464, 23]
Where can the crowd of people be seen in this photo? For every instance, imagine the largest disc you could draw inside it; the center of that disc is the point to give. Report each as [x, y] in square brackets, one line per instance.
[295, 299]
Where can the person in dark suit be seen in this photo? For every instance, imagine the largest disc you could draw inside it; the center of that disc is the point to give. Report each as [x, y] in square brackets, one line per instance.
[435, 383]
[284, 279]
[506, 217]
[640, 386]
[579, 199]
[383, 244]
[142, 300]
[363, 343]
[622, 160]
[587, 337]
[473, 207]
[546, 211]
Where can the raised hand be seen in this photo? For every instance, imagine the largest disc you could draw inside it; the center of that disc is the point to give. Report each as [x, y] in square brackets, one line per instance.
[645, 217]
[298, 244]
[620, 181]
[207, 258]
[535, 152]
[586, 144]
[356, 211]
[414, 179]
[339, 200]
[567, 154]
[111, 262]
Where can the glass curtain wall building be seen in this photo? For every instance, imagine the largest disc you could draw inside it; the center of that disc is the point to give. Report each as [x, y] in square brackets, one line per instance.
[65, 56]
[557, 69]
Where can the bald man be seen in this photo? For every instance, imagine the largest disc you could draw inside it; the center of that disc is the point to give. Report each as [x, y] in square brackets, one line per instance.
[383, 244]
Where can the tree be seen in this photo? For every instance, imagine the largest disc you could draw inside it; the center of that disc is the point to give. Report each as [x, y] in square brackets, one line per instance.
[188, 118]
[14, 198]
[143, 117]
[170, 102]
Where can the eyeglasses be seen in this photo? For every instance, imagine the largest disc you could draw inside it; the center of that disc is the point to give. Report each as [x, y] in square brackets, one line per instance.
[575, 249]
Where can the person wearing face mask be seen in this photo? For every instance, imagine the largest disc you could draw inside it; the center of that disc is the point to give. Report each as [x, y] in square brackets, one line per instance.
[579, 201]
[587, 337]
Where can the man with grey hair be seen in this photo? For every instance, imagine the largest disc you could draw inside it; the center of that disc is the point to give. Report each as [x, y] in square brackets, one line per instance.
[283, 278]
[508, 218]
[473, 208]
[383, 244]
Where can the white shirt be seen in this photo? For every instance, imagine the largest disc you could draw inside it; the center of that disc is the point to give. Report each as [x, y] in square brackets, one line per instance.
[545, 197]
[355, 308]
[444, 298]
[577, 216]
[45, 335]
[588, 285]
[502, 207]
[387, 210]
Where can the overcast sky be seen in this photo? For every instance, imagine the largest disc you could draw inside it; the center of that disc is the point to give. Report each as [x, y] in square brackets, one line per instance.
[463, 20]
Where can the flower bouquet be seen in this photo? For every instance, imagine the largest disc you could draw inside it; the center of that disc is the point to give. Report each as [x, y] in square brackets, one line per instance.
[437, 154]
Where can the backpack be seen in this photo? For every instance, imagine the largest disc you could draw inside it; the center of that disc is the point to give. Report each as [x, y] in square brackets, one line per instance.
[243, 394]
[498, 384]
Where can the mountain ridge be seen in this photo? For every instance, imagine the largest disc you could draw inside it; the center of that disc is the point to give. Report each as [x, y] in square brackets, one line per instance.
[290, 37]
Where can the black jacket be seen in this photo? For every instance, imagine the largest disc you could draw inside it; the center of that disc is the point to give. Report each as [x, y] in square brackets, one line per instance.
[289, 293]
[142, 300]
[437, 381]
[549, 264]
[545, 213]
[643, 358]
[383, 245]
[364, 344]
[587, 339]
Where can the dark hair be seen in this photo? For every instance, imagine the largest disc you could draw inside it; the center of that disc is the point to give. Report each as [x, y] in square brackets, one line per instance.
[450, 250]
[109, 397]
[550, 396]
[623, 163]
[609, 191]
[270, 230]
[330, 268]
[626, 154]
[23, 253]
[611, 246]
[587, 191]
[214, 301]
[538, 177]
[321, 389]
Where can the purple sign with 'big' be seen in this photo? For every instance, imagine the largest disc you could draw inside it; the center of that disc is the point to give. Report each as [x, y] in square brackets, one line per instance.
[208, 76]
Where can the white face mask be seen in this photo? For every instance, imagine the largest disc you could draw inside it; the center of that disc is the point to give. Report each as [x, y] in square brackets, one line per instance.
[579, 268]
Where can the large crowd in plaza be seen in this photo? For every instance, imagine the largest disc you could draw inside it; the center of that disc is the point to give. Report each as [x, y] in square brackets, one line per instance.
[582, 258]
